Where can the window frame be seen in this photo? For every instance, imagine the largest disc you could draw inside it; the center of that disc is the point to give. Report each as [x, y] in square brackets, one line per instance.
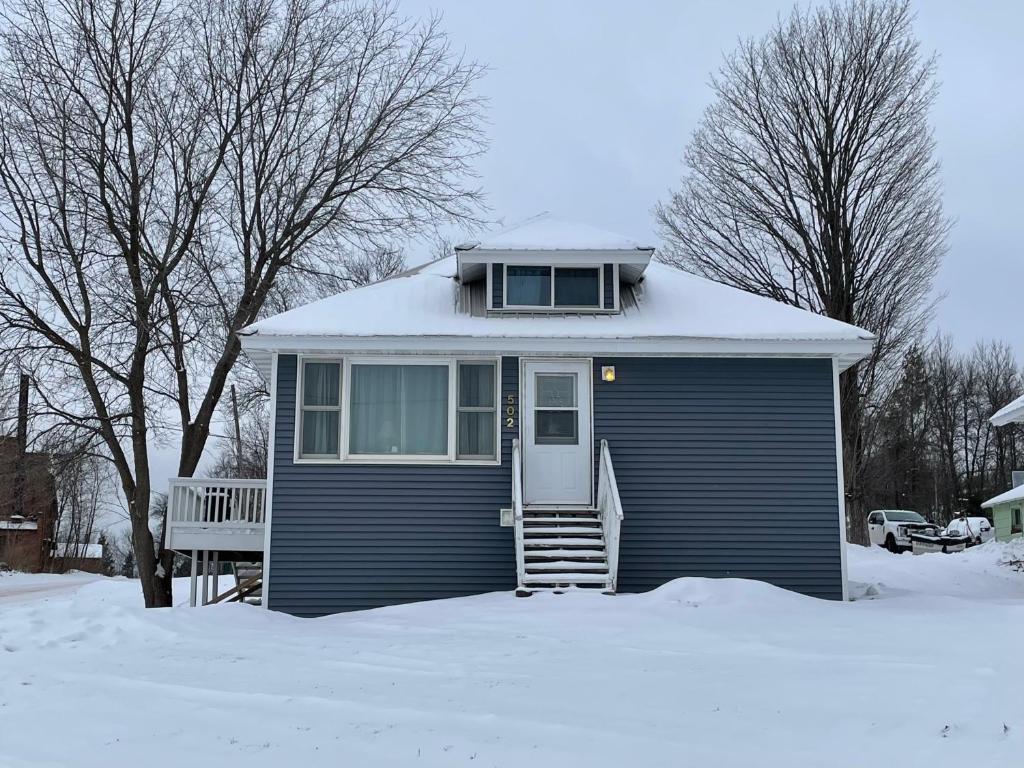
[346, 457]
[574, 408]
[301, 408]
[1019, 527]
[552, 306]
[459, 409]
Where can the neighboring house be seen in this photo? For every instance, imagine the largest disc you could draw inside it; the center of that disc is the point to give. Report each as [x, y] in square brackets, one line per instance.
[26, 525]
[544, 409]
[77, 556]
[1006, 508]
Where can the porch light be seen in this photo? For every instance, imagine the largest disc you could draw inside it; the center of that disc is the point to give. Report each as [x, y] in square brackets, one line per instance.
[607, 373]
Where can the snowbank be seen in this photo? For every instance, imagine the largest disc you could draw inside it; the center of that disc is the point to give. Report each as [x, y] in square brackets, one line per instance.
[699, 672]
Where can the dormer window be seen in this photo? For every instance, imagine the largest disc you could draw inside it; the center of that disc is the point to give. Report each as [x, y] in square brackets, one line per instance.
[549, 287]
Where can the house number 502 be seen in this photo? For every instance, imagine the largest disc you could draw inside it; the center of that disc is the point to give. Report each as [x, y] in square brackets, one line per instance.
[510, 410]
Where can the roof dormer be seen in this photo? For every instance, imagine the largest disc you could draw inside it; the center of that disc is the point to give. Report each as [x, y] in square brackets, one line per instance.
[546, 265]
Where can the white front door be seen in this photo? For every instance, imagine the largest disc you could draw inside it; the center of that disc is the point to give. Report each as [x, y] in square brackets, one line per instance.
[557, 449]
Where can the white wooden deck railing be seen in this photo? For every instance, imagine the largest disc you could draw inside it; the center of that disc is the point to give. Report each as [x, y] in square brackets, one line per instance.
[221, 503]
[517, 512]
[610, 508]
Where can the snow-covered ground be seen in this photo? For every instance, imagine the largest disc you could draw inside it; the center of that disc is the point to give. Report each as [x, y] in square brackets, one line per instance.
[926, 668]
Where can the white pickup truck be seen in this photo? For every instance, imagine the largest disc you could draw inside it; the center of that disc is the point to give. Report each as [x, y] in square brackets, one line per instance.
[891, 528]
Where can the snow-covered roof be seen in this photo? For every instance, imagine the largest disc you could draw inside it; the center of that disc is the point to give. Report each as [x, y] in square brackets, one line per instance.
[1014, 494]
[546, 233]
[72, 549]
[675, 313]
[1009, 413]
[19, 525]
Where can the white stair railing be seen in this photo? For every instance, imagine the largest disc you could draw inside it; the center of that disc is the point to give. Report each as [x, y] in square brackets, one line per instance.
[517, 513]
[609, 507]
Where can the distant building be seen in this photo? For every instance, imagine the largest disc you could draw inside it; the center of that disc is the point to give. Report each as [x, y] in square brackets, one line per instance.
[75, 556]
[26, 529]
[1007, 509]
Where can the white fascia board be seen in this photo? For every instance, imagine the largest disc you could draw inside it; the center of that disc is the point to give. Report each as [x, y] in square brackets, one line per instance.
[847, 351]
[640, 256]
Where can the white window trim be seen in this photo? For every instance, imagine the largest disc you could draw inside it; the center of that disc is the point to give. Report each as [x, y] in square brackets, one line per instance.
[496, 365]
[300, 376]
[346, 457]
[574, 408]
[552, 307]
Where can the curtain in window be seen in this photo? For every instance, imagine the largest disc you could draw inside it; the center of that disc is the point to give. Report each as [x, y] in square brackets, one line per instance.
[320, 433]
[476, 417]
[399, 409]
[528, 286]
[321, 385]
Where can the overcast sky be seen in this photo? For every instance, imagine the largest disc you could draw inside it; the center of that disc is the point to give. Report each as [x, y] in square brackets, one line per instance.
[592, 103]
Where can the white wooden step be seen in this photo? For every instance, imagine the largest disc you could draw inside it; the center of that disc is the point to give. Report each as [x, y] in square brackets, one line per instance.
[542, 542]
[564, 553]
[560, 510]
[562, 520]
[561, 529]
[566, 565]
[566, 578]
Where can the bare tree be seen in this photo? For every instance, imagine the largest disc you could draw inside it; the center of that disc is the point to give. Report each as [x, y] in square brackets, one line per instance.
[812, 180]
[81, 483]
[164, 167]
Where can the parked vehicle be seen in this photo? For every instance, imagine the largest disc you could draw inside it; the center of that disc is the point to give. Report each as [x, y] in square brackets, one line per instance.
[978, 530]
[891, 528]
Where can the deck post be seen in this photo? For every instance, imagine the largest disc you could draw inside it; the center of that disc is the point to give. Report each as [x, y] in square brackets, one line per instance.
[193, 579]
[216, 573]
[206, 576]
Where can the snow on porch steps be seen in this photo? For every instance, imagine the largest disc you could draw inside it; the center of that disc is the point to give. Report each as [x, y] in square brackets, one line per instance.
[565, 578]
[561, 529]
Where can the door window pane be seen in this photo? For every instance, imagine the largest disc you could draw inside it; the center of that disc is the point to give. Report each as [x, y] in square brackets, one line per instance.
[528, 286]
[556, 390]
[399, 409]
[577, 287]
[556, 427]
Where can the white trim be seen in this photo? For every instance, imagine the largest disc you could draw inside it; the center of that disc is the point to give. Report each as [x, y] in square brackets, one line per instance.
[616, 283]
[300, 376]
[840, 480]
[490, 289]
[496, 366]
[562, 346]
[588, 362]
[268, 499]
[552, 306]
[344, 454]
[639, 257]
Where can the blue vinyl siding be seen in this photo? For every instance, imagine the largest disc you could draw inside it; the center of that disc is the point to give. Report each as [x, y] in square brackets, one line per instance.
[497, 286]
[609, 286]
[725, 467]
[349, 536]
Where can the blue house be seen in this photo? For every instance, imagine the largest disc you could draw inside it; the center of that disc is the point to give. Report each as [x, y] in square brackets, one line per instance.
[544, 409]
